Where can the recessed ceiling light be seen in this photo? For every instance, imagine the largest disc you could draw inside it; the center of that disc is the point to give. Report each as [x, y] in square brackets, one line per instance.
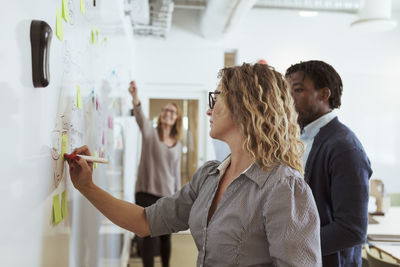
[308, 14]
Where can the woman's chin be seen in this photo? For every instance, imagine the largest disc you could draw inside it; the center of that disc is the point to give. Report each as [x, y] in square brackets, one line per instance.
[167, 123]
[214, 135]
[211, 134]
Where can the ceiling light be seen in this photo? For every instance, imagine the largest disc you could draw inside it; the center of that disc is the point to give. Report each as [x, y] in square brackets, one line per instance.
[374, 16]
[374, 25]
[308, 14]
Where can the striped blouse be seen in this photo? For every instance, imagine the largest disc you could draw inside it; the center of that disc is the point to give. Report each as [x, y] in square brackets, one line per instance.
[264, 218]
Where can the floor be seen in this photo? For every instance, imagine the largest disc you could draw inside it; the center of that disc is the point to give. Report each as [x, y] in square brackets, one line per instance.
[184, 253]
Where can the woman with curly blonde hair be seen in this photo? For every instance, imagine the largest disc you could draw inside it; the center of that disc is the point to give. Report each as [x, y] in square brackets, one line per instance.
[254, 208]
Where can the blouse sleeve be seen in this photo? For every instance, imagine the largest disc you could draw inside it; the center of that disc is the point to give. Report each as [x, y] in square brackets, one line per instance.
[292, 224]
[171, 214]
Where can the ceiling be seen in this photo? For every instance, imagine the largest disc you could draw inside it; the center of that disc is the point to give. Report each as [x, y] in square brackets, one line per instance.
[218, 15]
[334, 5]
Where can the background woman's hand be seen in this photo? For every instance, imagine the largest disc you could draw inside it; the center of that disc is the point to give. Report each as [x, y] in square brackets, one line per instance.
[133, 91]
[81, 170]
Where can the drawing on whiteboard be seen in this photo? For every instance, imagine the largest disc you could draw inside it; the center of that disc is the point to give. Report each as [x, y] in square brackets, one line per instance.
[71, 12]
[58, 164]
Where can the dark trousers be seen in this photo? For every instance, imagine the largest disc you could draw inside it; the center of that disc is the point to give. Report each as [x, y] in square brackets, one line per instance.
[150, 243]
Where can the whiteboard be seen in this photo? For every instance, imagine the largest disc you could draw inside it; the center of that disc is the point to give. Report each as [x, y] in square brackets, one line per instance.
[35, 119]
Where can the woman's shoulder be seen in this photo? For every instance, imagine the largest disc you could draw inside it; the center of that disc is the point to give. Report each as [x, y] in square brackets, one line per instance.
[208, 169]
[284, 175]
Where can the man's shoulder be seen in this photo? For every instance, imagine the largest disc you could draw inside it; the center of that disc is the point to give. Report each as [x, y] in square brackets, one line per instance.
[339, 136]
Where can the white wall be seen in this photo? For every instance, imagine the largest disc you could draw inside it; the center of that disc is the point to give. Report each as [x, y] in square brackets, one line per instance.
[367, 63]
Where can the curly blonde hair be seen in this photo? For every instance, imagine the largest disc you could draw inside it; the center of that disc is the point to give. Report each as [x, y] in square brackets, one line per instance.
[260, 101]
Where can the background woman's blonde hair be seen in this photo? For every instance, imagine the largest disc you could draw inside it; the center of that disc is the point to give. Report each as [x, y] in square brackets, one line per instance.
[176, 130]
[260, 102]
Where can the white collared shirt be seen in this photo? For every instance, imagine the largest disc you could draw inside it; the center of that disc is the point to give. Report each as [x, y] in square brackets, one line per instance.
[311, 130]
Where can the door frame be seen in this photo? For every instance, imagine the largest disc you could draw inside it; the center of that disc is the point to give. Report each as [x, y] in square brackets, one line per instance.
[198, 92]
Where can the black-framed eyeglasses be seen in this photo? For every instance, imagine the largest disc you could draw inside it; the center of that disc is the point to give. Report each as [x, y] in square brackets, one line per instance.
[212, 99]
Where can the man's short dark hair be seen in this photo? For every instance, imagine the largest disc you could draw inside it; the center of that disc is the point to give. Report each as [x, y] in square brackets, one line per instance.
[323, 75]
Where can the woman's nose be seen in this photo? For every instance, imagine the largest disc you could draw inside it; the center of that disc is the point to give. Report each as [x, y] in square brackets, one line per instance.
[209, 112]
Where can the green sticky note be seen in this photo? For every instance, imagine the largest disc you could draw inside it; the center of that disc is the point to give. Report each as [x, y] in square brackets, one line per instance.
[82, 7]
[64, 144]
[65, 10]
[56, 209]
[59, 26]
[64, 205]
[96, 155]
[78, 97]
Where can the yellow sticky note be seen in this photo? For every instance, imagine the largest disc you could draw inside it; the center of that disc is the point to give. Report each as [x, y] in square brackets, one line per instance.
[82, 7]
[93, 36]
[59, 26]
[78, 97]
[96, 155]
[65, 10]
[56, 209]
[64, 144]
[64, 206]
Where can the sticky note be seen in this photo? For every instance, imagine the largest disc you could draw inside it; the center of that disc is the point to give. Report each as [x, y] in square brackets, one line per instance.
[112, 103]
[78, 97]
[64, 205]
[59, 26]
[82, 7]
[56, 209]
[110, 122]
[96, 155]
[64, 144]
[97, 104]
[65, 10]
[93, 36]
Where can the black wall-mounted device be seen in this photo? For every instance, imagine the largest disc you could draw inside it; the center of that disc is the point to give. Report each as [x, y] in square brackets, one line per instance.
[41, 34]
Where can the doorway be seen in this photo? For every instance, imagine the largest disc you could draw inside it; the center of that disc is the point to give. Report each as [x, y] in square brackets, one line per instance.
[190, 131]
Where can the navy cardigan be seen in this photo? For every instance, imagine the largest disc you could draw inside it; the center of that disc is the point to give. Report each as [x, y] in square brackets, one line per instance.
[338, 171]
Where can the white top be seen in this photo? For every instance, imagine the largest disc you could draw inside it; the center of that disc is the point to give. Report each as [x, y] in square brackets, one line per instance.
[311, 130]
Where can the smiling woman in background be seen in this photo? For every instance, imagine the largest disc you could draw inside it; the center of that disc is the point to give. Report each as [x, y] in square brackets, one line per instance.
[159, 167]
[254, 208]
